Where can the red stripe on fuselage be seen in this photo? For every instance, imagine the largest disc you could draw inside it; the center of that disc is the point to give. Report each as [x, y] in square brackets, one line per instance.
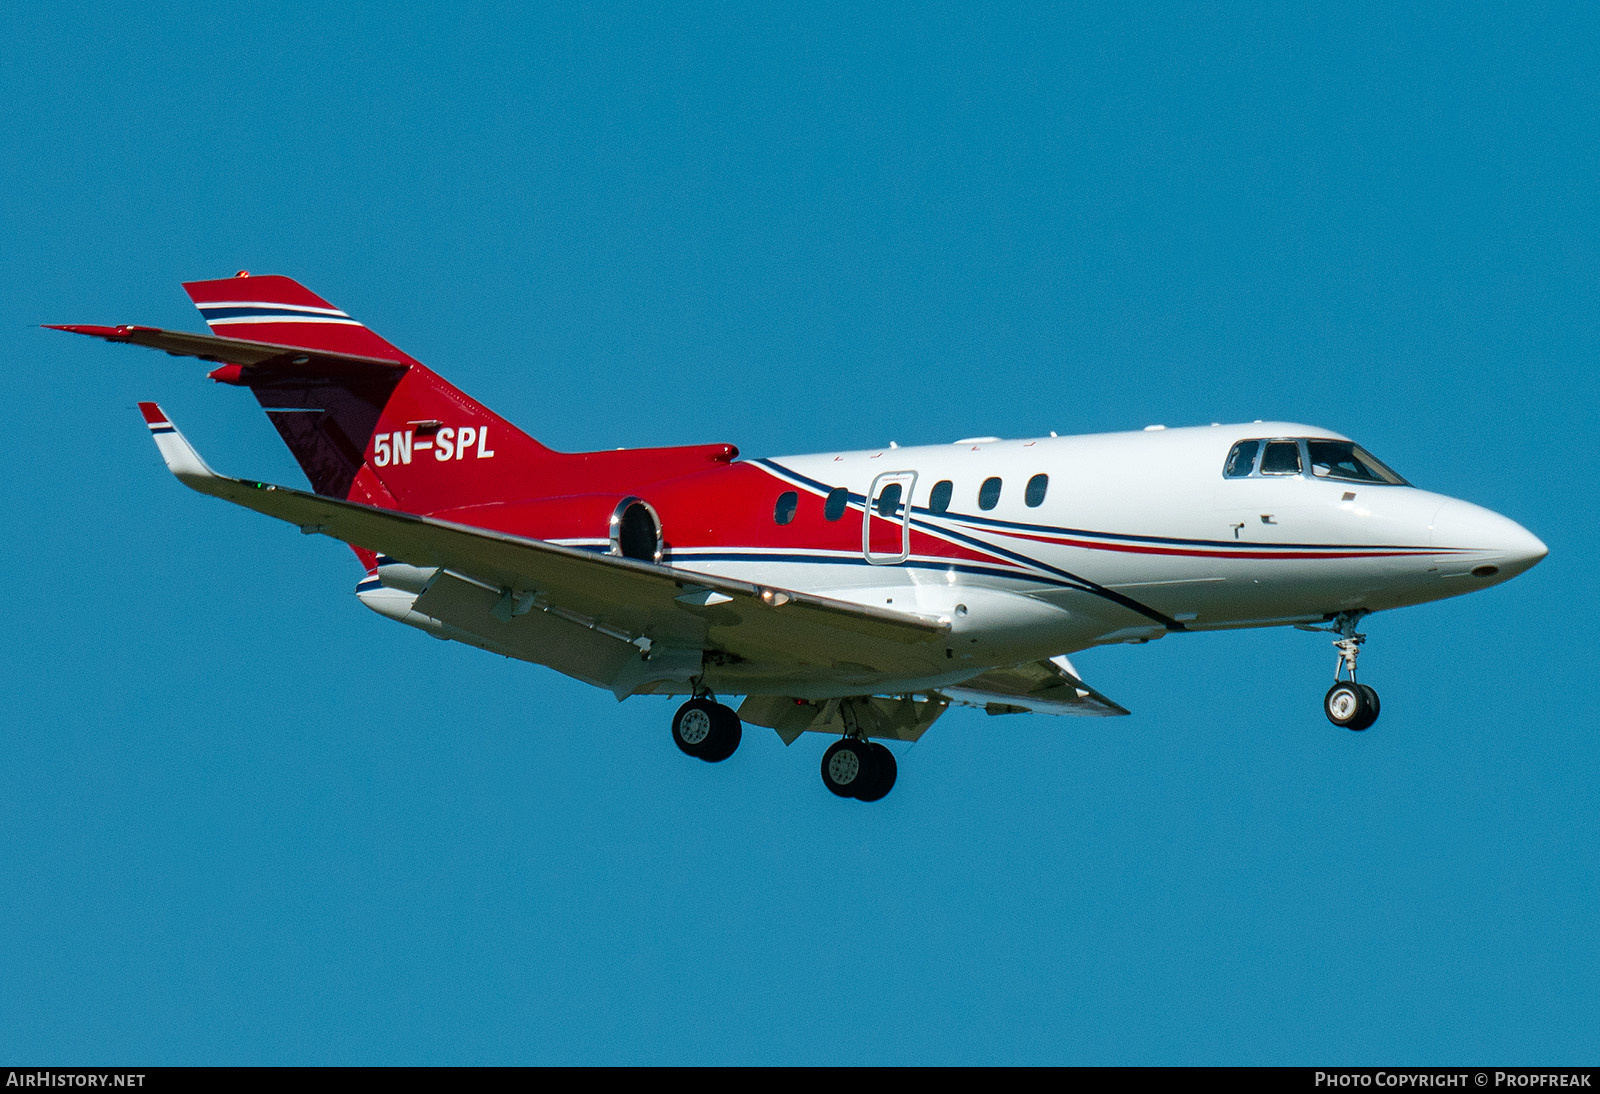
[731, 507]
[1332, 550]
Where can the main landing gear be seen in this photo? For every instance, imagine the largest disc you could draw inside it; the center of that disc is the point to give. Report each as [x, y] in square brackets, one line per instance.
[864, 770]
[707, 730]
[1349, 704]
[855, 767]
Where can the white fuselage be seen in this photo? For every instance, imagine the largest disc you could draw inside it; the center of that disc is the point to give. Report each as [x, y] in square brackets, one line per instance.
[1138, 534]
[1126, 538]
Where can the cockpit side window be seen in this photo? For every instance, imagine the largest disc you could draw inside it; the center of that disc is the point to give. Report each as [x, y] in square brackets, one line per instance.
[1349, 462]
[1281, 458]
[1314, 457]
[1242, 460]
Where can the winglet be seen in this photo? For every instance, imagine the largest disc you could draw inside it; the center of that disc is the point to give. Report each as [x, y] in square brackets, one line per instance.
[182, 460]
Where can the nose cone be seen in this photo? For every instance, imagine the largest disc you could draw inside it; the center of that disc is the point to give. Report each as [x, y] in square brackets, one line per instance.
[1483, 543]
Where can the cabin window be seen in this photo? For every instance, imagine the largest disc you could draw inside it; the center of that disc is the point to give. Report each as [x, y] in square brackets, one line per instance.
[889, 501]
[788, 502]
[1241, 460]
[1281, 458]
[939, 496]
[1033, 496]
[989, 493]
[838, 499]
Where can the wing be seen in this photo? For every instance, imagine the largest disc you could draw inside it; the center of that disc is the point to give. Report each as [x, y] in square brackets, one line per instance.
[620, 597]
[1045, 687]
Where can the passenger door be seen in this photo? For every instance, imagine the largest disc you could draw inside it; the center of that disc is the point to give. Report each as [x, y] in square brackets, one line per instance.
[886, 522]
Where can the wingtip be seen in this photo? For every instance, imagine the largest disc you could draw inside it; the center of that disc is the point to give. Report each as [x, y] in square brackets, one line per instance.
[179, 455]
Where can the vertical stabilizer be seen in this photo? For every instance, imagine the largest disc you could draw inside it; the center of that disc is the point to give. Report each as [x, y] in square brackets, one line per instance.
[396, 436]
[284, 312]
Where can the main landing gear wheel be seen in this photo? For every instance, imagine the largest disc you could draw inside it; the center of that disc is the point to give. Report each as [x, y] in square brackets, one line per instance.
[847, 767]
[1351, 705]
[864, 770]
[885, 771]
[706, 730]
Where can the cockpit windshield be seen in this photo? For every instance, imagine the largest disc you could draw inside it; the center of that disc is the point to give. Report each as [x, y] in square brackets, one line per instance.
[1349, 462]
[1311, 457]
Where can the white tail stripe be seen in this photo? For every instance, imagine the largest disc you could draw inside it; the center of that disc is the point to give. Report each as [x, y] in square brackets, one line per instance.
[232, 319]
[209, 304]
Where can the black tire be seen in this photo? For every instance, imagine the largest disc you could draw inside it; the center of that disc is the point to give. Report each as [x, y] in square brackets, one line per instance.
[885, 771]
[1377, 707]
[726, 733]
[1350, 706]
[847, 766]
[694, 727]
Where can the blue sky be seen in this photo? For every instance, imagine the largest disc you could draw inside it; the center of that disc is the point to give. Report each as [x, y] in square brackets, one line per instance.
[245, 820]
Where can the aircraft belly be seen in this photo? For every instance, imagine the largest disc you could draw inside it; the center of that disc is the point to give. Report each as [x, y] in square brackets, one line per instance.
[993, 619]
[1239, 592]
[818, 683]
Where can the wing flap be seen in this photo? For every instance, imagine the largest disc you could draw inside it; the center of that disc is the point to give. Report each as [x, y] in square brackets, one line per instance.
[1043, 687]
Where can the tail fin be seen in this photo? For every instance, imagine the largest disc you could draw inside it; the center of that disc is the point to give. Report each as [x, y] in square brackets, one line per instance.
[283, 312]
[401, 438]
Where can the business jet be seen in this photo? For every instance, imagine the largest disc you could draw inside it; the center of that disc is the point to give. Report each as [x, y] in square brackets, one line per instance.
[858, 594]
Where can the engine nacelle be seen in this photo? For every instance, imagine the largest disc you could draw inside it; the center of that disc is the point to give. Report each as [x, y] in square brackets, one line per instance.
[404, 576]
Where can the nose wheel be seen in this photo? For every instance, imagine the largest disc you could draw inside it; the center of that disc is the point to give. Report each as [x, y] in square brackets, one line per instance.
[707, 730]
[1349, 704]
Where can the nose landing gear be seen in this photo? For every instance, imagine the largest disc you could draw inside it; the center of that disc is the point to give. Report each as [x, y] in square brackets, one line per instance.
[1349, 704]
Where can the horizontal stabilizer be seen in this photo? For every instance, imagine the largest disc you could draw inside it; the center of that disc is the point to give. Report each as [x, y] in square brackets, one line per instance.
[348, 404]
[233, 351]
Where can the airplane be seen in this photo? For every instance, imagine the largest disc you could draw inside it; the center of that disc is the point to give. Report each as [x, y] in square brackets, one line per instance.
[857, 594]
